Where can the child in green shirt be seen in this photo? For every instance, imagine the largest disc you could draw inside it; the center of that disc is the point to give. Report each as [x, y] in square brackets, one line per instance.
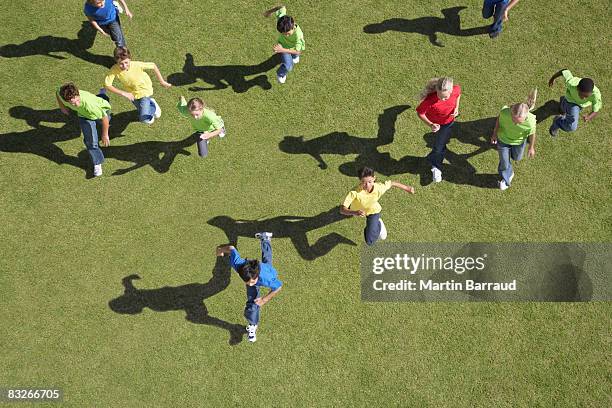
[204, 121]
[290, 43]
[514, 126]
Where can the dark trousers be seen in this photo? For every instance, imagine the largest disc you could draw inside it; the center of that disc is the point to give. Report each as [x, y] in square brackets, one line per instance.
[115, 31]
[372, 229]
[436, 157]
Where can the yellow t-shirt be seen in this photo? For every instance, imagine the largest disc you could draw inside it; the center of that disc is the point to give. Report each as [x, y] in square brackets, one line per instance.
[359, 199]
[135, 80]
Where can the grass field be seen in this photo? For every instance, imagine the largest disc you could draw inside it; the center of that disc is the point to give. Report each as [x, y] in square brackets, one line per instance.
[159, 210]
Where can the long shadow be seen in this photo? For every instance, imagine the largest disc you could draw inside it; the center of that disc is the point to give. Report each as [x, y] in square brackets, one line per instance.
[224, 76]
[459, 171]
[428, 26]
[295, 228]
[49, 45]
[189, 298]
[41, 141]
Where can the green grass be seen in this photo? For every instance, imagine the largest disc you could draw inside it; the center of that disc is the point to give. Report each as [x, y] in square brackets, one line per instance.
[67, 241]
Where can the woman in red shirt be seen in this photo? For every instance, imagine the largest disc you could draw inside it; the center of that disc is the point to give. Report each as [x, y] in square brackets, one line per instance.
[438, 108]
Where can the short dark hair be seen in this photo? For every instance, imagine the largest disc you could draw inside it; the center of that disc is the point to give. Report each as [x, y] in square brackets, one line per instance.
[285, 24]
[365, 172]
[586, 85]
[249, 270]
[122, 53]
[68, 91]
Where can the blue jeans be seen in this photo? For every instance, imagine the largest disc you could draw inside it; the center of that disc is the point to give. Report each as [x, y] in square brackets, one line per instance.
[251, 310]
[286, 64]
[115, 31]
[507, 152]
[568, 122]
[90, 136]
[436, 157]
[372, 229]
[145, 107]
[495, 9]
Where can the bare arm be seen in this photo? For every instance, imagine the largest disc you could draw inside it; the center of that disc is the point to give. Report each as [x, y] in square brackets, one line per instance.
[551, 81]
[512, 4]
[160, 78]
[126, 8]
[532, 140]
[279, 49]
[263, 300]
[105, 126]
[273, 10]
[456, 112]
[495, 129]
[119, 92]
[346, 211]
[224, 249]
[590, 116]
[95, 25]
[61, 105]
[408, 189]
[210, 135]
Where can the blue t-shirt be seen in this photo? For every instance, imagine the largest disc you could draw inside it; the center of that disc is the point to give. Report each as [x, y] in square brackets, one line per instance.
[267, 274]
[103, 15]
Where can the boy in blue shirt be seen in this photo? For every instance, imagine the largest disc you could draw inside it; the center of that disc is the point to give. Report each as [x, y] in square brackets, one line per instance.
[255, 274]
[104, 17]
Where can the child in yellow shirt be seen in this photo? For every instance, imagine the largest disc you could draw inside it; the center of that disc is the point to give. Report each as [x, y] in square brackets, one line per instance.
[139, 89]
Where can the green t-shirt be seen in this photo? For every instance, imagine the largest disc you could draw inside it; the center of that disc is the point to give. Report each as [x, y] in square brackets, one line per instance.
[296, 40]
[571, 92]
[92, 107]
[511, 133]
[209, 121]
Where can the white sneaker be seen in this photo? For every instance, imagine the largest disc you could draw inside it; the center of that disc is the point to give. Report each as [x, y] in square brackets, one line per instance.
[511, 177]
[503, 186]
[149, 122]
[281, 79]
[437, 175]
[252, 333]
[157, 113]
[118, 7]
[97, 170]
[263, 235]
[296, 59]
[383, 230]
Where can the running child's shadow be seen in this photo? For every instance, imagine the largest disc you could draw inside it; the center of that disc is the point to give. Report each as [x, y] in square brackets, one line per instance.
[49, 45]
[189, 298]
[42, 141]
[428, 26]
[476, 132]
[295, 228]
[224, 76]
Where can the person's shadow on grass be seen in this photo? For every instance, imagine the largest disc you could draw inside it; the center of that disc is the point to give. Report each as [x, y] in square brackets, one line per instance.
[49, 46]
[459, 171]
[295, 228]
[189, 297]
[42, 141]
[224, 76]
[428, 26]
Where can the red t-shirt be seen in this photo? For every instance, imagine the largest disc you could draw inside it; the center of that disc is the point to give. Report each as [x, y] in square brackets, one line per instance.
[438, 111]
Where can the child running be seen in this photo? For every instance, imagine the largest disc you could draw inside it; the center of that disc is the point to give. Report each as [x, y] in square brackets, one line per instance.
[91, 110]
[514, 126]
[255, 274]
[438, 109]
[203, 120]
[104, 17]
[580, 93]
[363, 202]
[139, 89]
[290, 43]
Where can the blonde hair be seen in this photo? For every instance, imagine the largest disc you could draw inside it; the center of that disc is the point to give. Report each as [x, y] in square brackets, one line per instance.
[521, 109]
[444, 84]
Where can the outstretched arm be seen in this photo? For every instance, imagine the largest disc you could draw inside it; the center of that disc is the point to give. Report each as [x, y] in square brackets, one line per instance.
[512, 4]
[551, 81]
[408, 189]
[95, 25]
[273, 10]
[126, 8]
[160, 78]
